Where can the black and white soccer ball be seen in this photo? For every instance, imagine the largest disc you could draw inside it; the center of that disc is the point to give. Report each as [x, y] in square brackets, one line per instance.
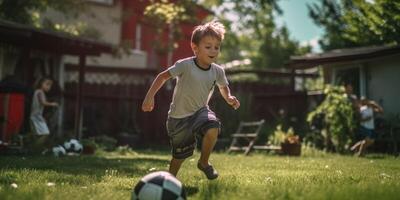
[58, 151]
[73, 146]
[158, 186]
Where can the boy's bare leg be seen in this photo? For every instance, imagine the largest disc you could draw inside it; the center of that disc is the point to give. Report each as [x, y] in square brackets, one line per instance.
[175, 165]
[209, 140]
[365, 143]
[361, 149]
[356, 146]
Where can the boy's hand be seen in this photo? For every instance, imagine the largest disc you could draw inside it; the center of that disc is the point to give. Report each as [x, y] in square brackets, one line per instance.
[148, 104]
[55, 104]
[232, 100]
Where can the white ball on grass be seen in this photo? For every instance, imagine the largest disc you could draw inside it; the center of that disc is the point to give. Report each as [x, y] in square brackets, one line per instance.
[58, 151]
[158, 186]
[73, 146]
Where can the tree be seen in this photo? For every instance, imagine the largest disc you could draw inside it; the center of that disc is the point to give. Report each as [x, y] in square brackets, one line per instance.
[255, 34]
[28, 11]
[162, 15]
[357, 23]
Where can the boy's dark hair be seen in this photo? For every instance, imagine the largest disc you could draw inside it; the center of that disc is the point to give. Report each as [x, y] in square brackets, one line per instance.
[213, 29]
[41, 80]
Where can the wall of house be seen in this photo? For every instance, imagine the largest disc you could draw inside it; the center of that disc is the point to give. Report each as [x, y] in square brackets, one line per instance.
[134, 10]
[383, 79]
[107, 20]
[377, 80]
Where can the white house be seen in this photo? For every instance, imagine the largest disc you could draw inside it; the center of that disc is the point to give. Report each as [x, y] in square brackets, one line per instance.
[374, 71]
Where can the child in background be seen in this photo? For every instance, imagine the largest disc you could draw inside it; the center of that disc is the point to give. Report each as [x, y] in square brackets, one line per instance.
[38, 123]
[367, 132]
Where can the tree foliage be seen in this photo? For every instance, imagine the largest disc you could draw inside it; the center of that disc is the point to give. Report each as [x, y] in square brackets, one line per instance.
[254, 33]
[28, 11]
[357, 23]
[164, 15]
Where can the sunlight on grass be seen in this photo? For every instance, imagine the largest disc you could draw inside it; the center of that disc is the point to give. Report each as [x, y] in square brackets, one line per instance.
[316, 175]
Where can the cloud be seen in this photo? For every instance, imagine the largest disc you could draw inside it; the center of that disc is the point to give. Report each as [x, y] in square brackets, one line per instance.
[370, 1]
[313, 43]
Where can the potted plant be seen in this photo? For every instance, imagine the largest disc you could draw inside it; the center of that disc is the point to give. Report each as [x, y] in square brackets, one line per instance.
[291, 145]
[89, 146]
[289, 142]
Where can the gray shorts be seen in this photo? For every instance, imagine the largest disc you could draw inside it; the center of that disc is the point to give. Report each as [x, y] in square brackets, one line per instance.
[182, 132]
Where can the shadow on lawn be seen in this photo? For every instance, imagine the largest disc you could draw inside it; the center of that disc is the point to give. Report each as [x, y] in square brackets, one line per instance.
[375, 156]
[91, 166]
[190, 190]
[94, 167]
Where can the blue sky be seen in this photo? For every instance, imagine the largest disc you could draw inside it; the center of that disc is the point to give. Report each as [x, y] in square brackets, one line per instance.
[301, 27]
[295, 17]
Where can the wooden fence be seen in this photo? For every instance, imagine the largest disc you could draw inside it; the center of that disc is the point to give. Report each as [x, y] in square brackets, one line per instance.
[113, 98]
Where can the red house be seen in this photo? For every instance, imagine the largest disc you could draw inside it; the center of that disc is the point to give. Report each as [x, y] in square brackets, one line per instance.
[142, 36]
[114, 87]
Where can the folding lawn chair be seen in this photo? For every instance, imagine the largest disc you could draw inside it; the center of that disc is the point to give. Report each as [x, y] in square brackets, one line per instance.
[245, 136]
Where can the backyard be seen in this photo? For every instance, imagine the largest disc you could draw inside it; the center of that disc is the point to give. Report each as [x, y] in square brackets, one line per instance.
[111, 175]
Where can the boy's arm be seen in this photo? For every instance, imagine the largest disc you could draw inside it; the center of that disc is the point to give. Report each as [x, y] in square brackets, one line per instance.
[377, 108]
[148, 103]
[231, 100]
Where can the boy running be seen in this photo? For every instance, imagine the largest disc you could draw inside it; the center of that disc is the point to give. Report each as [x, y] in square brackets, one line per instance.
[189, 115]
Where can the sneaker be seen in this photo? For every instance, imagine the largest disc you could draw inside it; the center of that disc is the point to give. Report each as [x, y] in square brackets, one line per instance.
[209, 171]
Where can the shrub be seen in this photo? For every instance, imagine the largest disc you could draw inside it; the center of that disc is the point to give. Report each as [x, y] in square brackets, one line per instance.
[105, 142]
[338, 119]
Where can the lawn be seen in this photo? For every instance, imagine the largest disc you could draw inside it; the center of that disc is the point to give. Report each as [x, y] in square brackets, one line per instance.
[109, 176]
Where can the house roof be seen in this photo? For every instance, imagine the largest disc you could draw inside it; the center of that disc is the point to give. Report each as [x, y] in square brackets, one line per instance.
[51, 41]
[342, 55]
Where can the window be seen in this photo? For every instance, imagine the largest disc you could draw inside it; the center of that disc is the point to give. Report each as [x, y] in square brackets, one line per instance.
[138, 36]
[349, 76]
[105, 2]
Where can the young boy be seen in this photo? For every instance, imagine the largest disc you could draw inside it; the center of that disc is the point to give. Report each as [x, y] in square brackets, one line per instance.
[189, 115]
[367, 133]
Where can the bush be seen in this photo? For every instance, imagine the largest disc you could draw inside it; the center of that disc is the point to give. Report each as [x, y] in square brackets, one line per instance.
[105, 142]
[337, 114]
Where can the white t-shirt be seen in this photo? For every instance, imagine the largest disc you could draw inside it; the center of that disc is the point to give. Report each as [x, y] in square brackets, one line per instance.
[194, 86]
[366, 111]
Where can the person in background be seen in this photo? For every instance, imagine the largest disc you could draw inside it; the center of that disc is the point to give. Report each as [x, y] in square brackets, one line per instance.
[39, 101]
[367, 133]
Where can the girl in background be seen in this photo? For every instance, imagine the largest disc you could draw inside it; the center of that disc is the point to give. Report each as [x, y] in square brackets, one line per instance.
[39, 101]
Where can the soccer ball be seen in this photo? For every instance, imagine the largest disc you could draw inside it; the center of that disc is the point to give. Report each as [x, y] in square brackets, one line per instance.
[58, 151]
[73, 146]
[158, 186]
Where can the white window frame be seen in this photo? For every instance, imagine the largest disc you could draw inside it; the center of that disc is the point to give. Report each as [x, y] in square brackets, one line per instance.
[105, 2]
[138, 37]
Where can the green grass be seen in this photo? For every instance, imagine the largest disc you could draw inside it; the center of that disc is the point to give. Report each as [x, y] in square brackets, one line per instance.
[258, 176]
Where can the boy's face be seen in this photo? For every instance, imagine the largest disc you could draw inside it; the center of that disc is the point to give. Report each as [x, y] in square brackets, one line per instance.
[207, 50]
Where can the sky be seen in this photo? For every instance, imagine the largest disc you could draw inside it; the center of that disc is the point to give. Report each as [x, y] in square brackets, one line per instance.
[295, 17]
[301, 27]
